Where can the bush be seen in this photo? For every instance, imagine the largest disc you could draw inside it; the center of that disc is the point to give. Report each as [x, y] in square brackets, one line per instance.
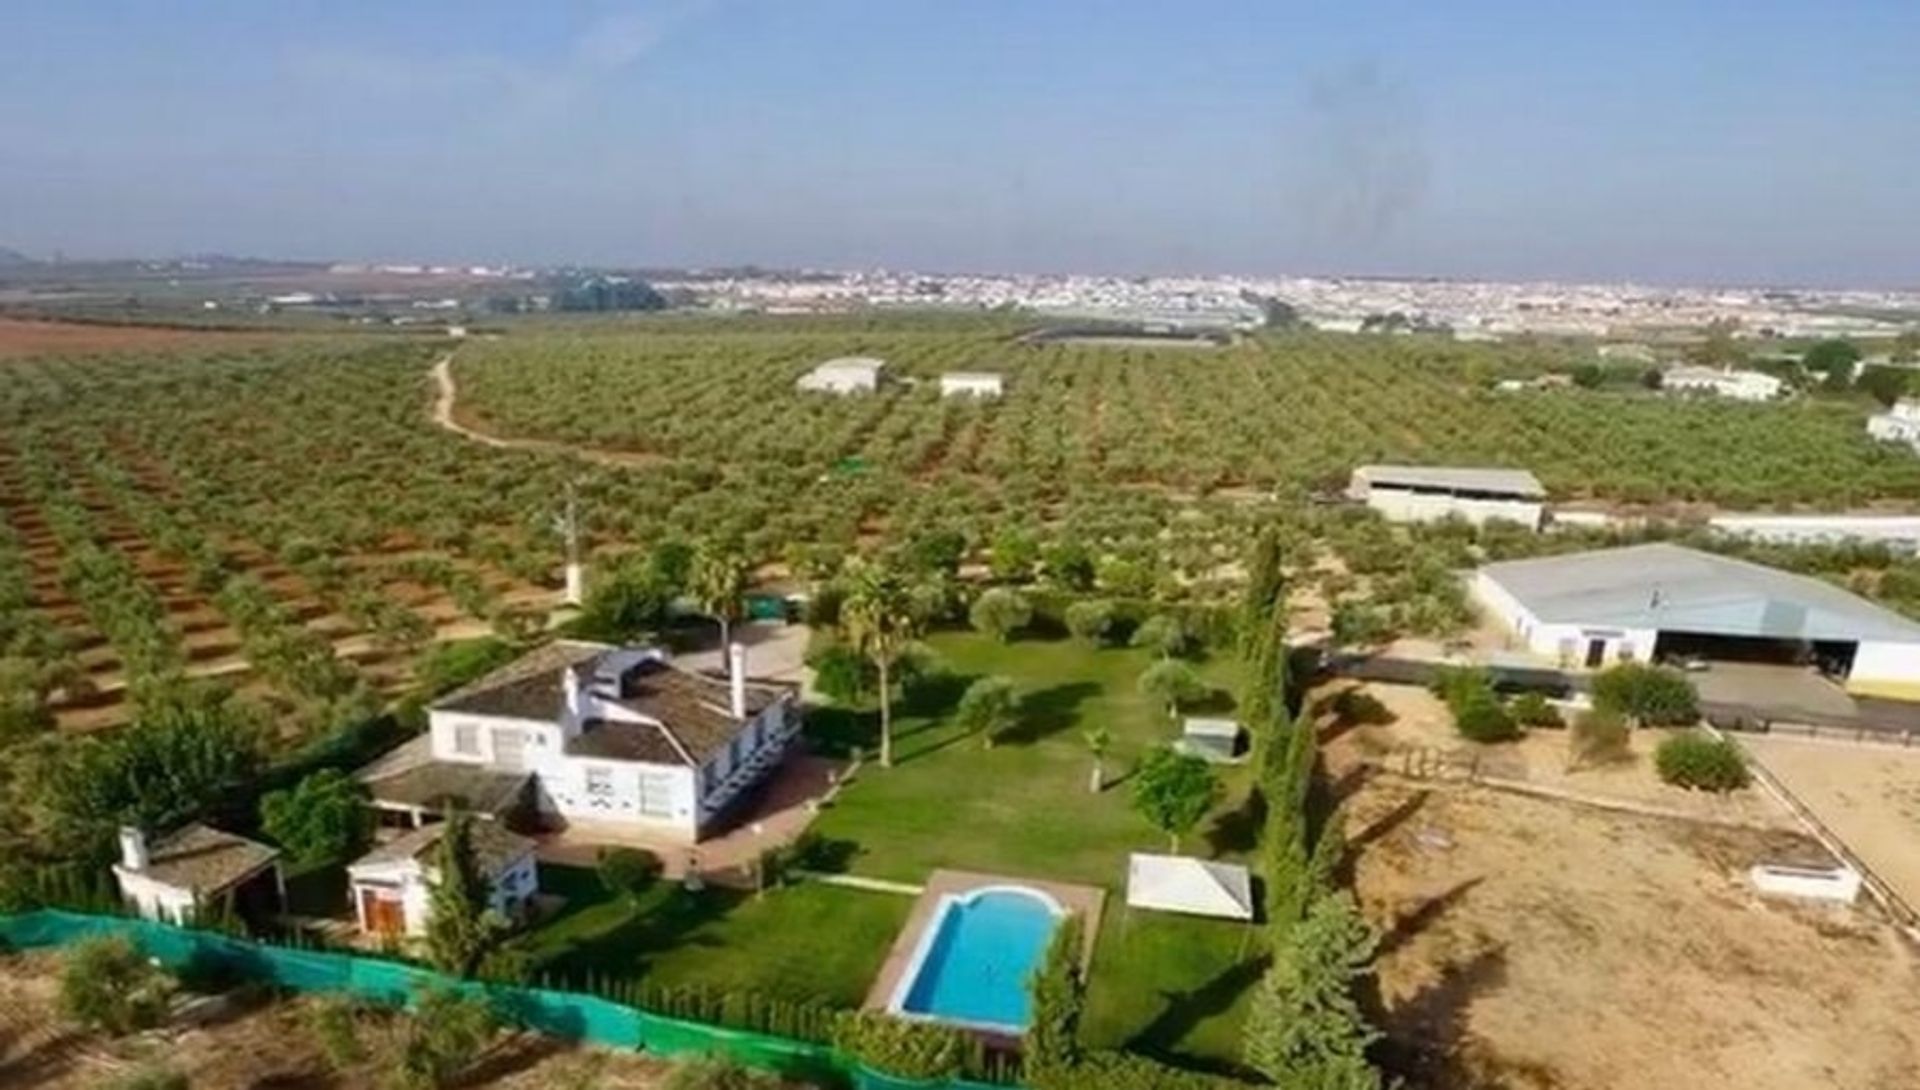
[108, 985]
[907, 1050]
[1598, 737]
[718, 1073]
[1650, 696]
[627, 872]
[1165, 635]
[1127, 1071]
[1701, 763]
[1478, 714]
[988, 708]
[1090, 621]
[322, 819]
[334, 1021]
[150, 1078]
[1000, 613]
[1534, 710]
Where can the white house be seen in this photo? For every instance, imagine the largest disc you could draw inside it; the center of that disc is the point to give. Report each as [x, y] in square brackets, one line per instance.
[971, 384]
[846, 375]
[1431, 493]
[1643, 602]
[1900, 424]
[1721, 382]
[392, 884]
[193, 868]
[589, 733]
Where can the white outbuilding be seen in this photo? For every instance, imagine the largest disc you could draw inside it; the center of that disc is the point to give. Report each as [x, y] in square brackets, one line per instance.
[194, 869]
[1722, 382]
[1196, 887]
[1900, 424]
[971, 384]
[1647, 602]
[1431, 493]
[845, 375]
[392, 885]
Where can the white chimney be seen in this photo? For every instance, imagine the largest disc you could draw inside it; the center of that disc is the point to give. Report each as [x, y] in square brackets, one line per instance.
[737, 678]
[133, 849]
[576, 583]
[575, 709]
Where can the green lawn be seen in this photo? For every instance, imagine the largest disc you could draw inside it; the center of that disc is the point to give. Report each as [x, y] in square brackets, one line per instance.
[809, 941]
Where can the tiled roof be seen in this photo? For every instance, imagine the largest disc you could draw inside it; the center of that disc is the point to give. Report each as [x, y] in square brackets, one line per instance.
[529, 687]
[410, 776]
[204, 859]
[494, 848]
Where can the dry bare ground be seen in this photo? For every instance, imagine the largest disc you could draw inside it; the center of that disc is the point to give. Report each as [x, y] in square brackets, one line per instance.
[22, 337]
[1540, 944]
[1868, 795]
[265, 1046]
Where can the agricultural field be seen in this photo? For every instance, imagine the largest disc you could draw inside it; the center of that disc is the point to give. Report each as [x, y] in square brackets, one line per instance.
[1286, 412]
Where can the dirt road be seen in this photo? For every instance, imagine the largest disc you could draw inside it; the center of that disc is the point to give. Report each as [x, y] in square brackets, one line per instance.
[446, 415]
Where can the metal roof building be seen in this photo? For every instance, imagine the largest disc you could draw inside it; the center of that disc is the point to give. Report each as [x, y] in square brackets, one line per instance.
[1596, 607]
[1431, 493]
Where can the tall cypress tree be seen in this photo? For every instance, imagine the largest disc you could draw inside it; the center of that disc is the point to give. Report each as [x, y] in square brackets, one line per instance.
[1304, 1027]
[1058, 992]
[460, 929]
[1264, 587]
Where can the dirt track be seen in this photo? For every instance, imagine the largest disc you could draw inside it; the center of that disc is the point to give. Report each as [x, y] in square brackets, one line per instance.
[446, 415]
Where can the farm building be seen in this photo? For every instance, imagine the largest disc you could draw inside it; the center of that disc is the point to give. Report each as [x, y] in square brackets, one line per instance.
[193, 869]
[846, 375]
[1431, 493]
[1656, 601]
[971, 384]
[392, 884]
[588, 733]
[1721, 382]
[1900, 424]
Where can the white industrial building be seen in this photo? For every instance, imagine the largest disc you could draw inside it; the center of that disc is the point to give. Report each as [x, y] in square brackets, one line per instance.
[1722, 382]
[846, 375]
[1900, 424]
[1431, 493]
[588, 733]
[1646, 602]
[971, 384]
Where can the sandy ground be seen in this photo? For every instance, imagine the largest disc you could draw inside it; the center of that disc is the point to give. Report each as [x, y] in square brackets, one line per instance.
[1422, 724]
[19, 337]
[1868, 795]
[266, 1046]
[1536, 944]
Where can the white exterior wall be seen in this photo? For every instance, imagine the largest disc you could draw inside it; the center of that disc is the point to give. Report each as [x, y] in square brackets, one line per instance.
[151, 900]
[970, 385]
[1901, 424]
[510, 889]
[1563, 644]
[1401, 505]
[1888, 663]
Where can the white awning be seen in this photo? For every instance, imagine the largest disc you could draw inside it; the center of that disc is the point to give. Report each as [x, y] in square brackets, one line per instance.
[1199, 887]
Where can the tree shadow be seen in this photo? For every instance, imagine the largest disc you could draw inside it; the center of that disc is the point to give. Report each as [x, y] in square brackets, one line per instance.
[1184, 1010]
[1046, 712]
[664, 919]
[933, 695]
[1386, 823]
[1238, 830]
[1408, 926]
[1426, 1042]
[1217, 702]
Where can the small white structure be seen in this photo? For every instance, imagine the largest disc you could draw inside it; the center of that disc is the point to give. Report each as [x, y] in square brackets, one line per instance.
[1197, 887]
[1838, 884]
[971, 384]
[1722, 382]
[1432, 493]
[195, 867]
[1215, 740]
[392, 884]
[590, 733]
[846, 375]
[1900, 424]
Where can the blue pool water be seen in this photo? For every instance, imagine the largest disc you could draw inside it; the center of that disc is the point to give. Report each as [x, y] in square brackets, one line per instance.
[983, 950]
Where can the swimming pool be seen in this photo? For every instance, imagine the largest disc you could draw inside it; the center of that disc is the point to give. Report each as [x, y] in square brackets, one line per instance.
[973, 961]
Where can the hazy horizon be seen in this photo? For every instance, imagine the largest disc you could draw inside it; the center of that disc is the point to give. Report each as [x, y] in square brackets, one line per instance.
[1758, 144]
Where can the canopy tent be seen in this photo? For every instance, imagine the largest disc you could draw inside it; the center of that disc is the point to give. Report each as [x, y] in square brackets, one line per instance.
[1198, 887]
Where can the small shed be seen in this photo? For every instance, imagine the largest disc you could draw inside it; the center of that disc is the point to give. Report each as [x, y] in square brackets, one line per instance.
[392, 884]
[1197, 887]
[1222, 741]
[194, 868]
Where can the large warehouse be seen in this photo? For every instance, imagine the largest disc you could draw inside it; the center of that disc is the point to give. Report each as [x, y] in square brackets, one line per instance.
[1651, 601]
[1431, 493]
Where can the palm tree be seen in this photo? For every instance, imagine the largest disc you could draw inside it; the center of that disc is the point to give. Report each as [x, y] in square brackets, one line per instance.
[879, 619]
[1098, 740]
[718, 579]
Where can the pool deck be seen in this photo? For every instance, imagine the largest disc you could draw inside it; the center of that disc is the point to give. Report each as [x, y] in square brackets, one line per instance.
[1084, 901]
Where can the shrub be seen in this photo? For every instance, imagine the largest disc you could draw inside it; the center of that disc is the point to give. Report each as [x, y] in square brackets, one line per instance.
[1650, 696]
[907, 1050]
[322, 819]
[446, 1033]
[1090, 621]
[718, 1073]
[1701, 763]
[334, 1021]
[1000, 613]
[150, 1078]
[627, 872]
[1598, 736]
[988, 707]
[1534, 710]
[108, 985]
[1171, 684]
[1165, 635]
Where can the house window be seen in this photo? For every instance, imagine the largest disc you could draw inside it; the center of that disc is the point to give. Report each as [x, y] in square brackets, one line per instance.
[656, 794]
[600, 783]
[466, 739]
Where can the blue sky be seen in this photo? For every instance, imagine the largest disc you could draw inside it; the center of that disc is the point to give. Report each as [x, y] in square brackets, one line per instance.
[1695, 140]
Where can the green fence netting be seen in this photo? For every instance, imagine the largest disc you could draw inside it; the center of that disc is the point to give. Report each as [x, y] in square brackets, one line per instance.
[560, 1014]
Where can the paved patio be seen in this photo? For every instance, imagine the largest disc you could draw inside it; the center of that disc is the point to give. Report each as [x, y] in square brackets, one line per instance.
[780, 810]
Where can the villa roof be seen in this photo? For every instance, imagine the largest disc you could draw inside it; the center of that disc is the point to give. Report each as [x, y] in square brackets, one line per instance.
[409, 776]
[205, 860]
[494, 848]
[529, 687]
[1677, 589]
